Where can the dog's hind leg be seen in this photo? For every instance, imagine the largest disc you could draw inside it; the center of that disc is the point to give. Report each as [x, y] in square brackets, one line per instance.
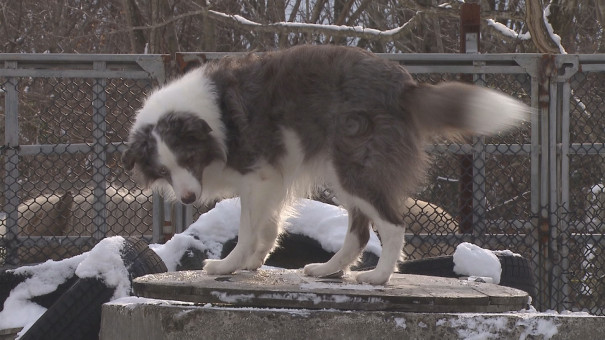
[262, 203]
[392, 238]
[357, 237]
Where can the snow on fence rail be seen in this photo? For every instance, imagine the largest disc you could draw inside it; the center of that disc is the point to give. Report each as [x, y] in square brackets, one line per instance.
[537, 191]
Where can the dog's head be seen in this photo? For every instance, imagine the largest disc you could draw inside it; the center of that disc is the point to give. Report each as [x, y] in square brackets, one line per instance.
[172, 154]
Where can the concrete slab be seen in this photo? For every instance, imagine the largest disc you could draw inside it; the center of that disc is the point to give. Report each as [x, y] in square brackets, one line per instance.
[150, 319]
[292, 289]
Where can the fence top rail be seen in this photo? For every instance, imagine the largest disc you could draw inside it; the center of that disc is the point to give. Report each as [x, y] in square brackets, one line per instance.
[592, 58]
[71, 57]
[136, 66]
[403, 56]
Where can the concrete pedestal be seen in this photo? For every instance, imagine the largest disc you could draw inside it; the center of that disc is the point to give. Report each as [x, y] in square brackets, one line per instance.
[284, 304]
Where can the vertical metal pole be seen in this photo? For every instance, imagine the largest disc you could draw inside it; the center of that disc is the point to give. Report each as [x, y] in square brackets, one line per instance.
[553, 249]
[536, 176]
[187, 217]
[178, 220]
[564, 180]
[99, 163]
[11, 166]
[183, 217]
[158, 217]
[545, 98]
[470, 27]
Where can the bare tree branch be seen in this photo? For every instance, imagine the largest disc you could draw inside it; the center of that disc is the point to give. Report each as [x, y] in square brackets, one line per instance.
[334, 30]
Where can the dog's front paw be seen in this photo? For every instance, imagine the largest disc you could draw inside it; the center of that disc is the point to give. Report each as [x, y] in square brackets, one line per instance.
[373, 277]
[322, 270]
[218, 267]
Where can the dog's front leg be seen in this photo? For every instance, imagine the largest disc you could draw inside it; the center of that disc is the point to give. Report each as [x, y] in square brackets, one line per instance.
[259, 226]
[243, 249]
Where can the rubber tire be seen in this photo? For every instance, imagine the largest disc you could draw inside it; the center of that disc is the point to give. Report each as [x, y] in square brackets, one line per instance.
[8, 281]
[77, 313]
[516, 270]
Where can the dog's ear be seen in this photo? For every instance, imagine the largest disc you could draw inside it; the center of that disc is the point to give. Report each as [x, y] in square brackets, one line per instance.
[197, 129]
[188, 128]
[139, 146]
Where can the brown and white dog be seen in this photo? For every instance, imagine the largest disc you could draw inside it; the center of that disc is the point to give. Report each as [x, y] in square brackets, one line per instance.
[267, 127]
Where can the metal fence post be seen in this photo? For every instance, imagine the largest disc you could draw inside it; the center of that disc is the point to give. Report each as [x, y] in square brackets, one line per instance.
[99, 163]
[11, 166]
[470, 27]
[569, 65]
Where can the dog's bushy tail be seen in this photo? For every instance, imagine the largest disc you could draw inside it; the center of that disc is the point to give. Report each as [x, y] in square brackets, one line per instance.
[456, 108]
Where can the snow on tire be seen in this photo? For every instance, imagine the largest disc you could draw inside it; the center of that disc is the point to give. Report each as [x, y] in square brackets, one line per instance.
[516, 270]
[77, 313]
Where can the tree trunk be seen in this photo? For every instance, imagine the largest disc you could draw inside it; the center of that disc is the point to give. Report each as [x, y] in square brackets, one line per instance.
[562, 13]
[133, 19]
[539, 33]
[601, 16]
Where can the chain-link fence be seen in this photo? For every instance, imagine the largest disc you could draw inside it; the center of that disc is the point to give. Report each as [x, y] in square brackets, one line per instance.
[538, 191]
[65, 121]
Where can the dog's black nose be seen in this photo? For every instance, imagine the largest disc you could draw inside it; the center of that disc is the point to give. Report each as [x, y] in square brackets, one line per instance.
[188, 198]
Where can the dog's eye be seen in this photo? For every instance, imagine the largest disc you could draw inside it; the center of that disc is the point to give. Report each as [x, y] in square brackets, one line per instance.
[163, 171]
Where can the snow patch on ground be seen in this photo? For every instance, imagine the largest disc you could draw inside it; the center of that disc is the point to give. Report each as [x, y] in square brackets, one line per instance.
[472, 260]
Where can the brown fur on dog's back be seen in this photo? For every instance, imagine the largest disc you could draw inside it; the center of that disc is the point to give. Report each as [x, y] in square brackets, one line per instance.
[341, 102]
[364, 113]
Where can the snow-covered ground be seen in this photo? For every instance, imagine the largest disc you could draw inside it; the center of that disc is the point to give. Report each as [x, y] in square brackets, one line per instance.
[325, 223]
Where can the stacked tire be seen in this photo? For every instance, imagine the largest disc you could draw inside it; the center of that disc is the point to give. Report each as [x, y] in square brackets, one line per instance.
[74, 309]
[516, 270]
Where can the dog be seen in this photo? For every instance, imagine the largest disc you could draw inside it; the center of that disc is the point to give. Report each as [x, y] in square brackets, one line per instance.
[268, 127]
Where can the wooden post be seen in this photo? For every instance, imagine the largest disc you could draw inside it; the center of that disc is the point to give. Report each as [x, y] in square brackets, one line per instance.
[470, 27]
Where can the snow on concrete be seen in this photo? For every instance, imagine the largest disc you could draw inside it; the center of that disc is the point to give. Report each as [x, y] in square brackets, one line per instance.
[534, 324]
[472, 260]
[131, 302]
[477, 327]
[400, 323]
[339, 286]
[232, 298]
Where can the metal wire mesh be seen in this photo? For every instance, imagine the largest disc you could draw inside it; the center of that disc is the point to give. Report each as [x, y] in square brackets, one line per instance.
[70, 187]
[585, 215]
